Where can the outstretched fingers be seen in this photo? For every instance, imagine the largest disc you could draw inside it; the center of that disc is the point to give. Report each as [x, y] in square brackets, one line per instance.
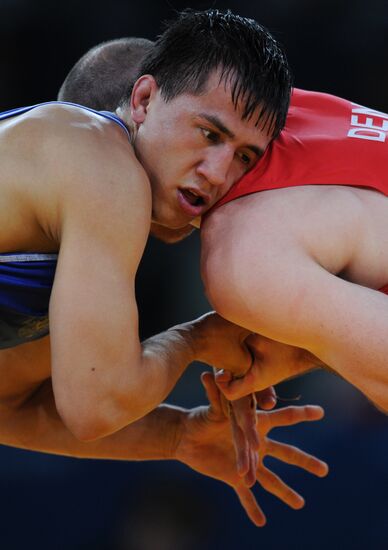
[244, 411]
[289, 416]
[273, 484]
[250, 505]
[241, 447]
[296, 457]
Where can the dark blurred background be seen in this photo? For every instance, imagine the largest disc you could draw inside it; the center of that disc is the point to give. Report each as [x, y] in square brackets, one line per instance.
[54, 503]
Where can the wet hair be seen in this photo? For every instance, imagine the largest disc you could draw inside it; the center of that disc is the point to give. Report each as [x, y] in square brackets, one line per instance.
[99, 78]
[249, 59]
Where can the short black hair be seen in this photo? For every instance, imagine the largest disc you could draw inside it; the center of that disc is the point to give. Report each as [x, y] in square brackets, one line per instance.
[248, 57]
[99, 78]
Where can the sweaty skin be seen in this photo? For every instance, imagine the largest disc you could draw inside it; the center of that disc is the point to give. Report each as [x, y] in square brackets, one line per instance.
[71, 182]
[310, 260]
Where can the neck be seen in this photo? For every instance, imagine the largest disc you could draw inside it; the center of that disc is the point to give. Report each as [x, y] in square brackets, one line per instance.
[124, 113]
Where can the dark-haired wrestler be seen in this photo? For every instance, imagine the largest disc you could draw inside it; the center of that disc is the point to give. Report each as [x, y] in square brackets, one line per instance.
[76, 201]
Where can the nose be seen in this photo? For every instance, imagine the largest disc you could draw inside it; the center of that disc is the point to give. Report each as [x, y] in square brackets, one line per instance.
[215, 166]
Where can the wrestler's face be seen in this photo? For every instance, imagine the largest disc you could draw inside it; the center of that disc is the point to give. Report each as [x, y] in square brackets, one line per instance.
[193, 147]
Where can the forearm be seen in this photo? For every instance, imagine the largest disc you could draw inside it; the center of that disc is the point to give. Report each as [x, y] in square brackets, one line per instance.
[36, 425]
[164, 358]
[100, 399]
[208, 339]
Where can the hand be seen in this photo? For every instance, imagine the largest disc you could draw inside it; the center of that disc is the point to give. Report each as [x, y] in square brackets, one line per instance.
[205, 444]
[243, 420]
[218, 343]
[273, 362]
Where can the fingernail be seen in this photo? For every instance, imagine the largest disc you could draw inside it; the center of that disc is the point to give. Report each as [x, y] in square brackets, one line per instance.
[267, 402]
[299, 503]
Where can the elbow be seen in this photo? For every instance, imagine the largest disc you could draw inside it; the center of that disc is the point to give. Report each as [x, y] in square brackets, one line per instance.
[86, 425]
[89, 420]
[88, 429]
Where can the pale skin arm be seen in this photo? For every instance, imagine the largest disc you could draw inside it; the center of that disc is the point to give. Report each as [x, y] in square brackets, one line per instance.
[281, 292]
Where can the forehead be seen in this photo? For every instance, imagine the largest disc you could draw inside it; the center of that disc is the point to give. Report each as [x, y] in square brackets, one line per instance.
[217, 91]
[215, 101]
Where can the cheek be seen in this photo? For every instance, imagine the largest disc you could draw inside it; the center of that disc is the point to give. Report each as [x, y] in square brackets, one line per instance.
[236, 172]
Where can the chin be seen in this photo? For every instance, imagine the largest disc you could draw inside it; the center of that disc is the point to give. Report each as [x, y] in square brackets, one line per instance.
[170, 219]
[169, 235]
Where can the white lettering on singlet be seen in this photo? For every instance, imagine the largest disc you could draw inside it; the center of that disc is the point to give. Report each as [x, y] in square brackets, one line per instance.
[368, 124]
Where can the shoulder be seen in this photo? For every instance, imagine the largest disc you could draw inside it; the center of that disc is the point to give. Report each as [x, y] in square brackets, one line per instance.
[84, 168]
[72, 132]
[55, 132]
[255, 241]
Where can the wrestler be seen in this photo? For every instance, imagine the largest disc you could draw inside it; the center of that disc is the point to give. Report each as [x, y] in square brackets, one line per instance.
[72, 184]
[29, 406]
[309, 226]
[99, 80]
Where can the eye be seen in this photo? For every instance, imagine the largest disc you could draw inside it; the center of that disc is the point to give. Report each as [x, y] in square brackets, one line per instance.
[245, 158]
[210, 135]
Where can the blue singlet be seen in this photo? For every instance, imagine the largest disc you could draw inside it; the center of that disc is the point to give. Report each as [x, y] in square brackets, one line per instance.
[26, 278]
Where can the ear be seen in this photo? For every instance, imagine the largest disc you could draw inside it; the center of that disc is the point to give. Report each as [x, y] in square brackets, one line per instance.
[143, 92]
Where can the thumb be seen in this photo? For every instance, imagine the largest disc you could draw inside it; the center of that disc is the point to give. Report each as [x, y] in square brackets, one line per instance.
[236, 388]
[267, 398]
[222, 376]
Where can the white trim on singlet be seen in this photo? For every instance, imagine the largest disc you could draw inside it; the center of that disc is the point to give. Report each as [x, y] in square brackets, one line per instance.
[104, 114]
[27, 257]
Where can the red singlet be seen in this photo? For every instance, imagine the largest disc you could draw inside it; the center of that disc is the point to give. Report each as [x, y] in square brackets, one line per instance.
[326, 140]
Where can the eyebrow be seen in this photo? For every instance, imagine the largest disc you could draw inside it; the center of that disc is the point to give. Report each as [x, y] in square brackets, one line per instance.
[259, 151]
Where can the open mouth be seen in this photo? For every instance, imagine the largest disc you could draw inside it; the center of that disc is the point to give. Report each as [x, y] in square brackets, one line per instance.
[192, 198]
[193, 205]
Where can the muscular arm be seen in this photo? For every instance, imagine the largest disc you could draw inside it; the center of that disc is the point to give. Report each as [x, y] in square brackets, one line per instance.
[29, 418]
[281, 291]
[199, 438]
[99, 211]
[36, 425]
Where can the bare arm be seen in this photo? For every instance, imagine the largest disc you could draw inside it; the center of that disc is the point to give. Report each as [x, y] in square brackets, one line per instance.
[200, 438]
[280, 291]
[103, 378]
[36, 425]
[29, 418]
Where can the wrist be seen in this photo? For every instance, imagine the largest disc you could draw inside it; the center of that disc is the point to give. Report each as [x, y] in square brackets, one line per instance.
[189, 435]
[196, 335]
[174, 449]
[185, 336]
